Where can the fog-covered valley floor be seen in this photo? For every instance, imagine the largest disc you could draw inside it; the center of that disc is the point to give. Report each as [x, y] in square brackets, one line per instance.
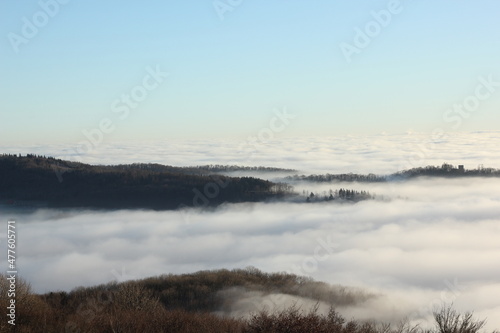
[437, 244]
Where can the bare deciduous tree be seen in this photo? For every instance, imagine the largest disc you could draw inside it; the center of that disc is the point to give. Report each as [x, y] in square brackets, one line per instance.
[449, 320]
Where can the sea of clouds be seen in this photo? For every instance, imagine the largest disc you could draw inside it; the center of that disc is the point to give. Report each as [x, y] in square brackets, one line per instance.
[379, 154]
[433, 241]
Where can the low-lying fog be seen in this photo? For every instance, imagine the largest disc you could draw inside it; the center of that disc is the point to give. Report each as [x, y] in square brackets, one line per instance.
[437, 240]
[438, 243]
[378, 154]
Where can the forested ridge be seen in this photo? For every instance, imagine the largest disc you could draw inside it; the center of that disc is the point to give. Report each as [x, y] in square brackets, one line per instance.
[203, 302]
[33, 180]
[446, 170]
[60, 183]
[208, 169]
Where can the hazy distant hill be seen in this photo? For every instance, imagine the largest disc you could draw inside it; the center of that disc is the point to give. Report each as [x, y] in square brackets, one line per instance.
[445, 170]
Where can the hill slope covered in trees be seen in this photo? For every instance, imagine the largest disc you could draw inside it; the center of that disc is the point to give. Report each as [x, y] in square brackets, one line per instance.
[446, 171]
[199, 302]
[45, 181]
[59, 183]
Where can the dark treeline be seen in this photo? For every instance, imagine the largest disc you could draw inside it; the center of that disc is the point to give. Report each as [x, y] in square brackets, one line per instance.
[33, 180]
[189, 303]
[232, 168]
[445, 170]
[341, 194]
[198, 170]
[60, 183]
[345, 177]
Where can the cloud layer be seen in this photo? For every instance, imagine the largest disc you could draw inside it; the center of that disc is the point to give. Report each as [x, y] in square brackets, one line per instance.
[378, 154]
[440, 240]
[437, 243]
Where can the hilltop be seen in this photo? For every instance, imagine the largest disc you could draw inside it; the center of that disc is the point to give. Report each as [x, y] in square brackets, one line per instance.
[205, 301]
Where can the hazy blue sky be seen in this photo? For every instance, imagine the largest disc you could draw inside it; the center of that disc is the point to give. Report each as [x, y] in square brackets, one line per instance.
[231, 66]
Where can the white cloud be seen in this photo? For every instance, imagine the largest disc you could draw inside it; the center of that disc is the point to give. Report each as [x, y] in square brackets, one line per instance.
[379, 154]
[405, 249]
[443, 232]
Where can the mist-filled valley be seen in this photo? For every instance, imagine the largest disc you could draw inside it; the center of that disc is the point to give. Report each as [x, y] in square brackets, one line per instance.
[417, 244]
[427, 242]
